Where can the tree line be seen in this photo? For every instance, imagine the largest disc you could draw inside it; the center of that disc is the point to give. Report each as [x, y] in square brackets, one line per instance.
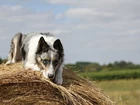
[94, 66]
[2, 60]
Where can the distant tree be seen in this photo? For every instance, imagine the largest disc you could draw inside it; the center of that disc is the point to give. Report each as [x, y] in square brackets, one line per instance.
[110, 65]
[82, 65]
[115, 64]
[4, 60]
[1, 60]
[73, 67]
[122, 64]
[93, 67]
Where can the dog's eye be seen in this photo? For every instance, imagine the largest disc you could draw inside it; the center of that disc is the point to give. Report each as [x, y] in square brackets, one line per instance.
[45, 61]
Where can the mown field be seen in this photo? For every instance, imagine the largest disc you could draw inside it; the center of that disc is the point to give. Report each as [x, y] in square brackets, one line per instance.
[122, 86]
[123, 92]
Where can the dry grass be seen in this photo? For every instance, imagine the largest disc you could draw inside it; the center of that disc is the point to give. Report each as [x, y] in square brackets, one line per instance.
[27, 87]
[122, 92]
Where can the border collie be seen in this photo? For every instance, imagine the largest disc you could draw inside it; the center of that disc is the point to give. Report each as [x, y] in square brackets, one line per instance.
[39, 51]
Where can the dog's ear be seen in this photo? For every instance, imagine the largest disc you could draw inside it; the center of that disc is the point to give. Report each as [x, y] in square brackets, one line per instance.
[42, 46]
[58, 46]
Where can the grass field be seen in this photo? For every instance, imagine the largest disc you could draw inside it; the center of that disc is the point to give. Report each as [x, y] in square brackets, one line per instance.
[112, 75]
[123, 92]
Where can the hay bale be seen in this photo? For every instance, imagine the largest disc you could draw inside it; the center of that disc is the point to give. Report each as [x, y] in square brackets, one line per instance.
[27, 87]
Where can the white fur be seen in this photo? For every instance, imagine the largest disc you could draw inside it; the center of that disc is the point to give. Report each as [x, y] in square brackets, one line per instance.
[31, 63]
[15, 51]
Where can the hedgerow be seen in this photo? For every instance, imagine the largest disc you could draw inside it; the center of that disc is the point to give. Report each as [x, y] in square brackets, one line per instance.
[112, 75]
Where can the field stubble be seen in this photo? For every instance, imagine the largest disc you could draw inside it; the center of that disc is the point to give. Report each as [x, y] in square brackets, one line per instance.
[123, 92]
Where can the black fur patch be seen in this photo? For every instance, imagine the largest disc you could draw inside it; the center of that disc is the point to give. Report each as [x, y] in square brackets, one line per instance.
[58, 46]
[42, 46]
[23, 53]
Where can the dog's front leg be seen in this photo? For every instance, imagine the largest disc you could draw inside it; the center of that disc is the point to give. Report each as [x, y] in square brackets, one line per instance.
[58, 77]
[32, 66]
[11, 53]
[9, 59]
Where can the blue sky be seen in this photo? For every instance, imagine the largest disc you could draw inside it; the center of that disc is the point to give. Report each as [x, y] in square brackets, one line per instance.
[98, 31]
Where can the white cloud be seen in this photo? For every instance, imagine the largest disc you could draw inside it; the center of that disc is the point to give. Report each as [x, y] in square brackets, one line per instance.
[16, 8]
[123, 9]
[90, 30]
[62, 1]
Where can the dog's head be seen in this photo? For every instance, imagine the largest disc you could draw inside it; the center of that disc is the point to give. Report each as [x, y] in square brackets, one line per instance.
[49, 58]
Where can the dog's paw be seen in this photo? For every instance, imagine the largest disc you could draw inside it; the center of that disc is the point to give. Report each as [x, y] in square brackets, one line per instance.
[8, 63]
[58, 80]
[13, 61]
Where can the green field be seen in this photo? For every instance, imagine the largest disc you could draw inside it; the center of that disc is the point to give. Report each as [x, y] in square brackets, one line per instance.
[122, 92]
[112, 75]
[122, 86]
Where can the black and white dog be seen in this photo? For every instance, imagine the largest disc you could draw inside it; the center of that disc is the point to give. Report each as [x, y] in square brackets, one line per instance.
[39, 51]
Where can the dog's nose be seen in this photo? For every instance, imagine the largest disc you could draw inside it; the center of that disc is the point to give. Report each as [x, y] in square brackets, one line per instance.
[50, 75]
